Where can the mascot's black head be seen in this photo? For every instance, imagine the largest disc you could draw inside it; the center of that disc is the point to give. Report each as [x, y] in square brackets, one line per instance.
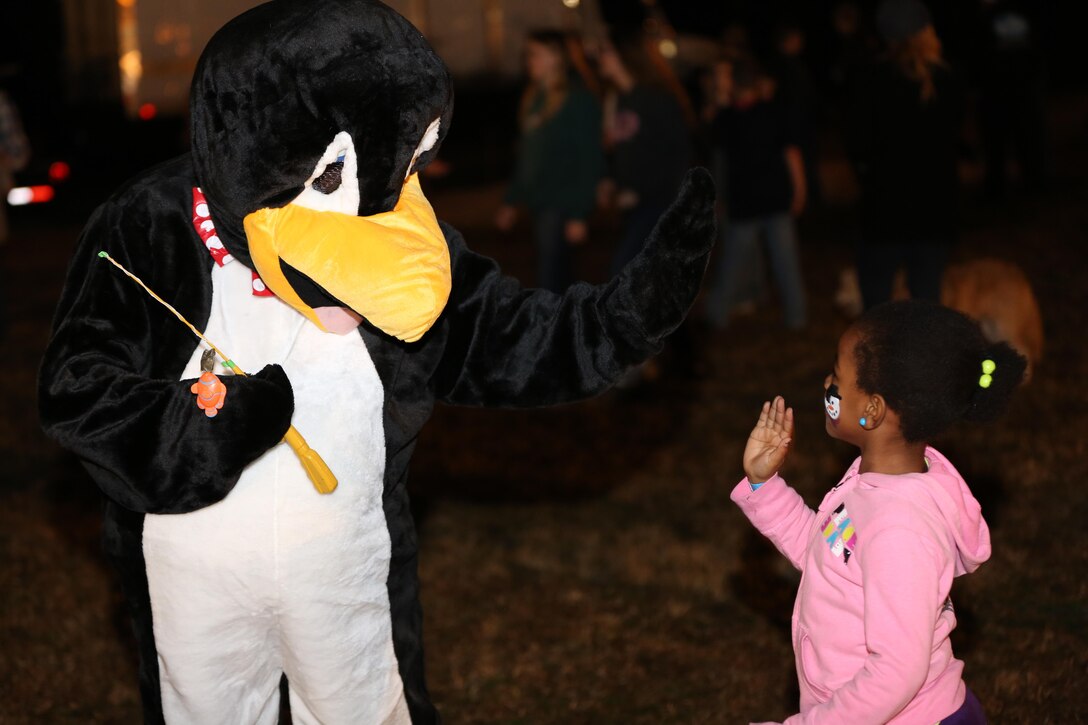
[294, 84]
[277, 83]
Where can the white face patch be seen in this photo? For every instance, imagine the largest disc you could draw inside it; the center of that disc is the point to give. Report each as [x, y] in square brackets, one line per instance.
[336, 189]
[832, 402]
[430, 138]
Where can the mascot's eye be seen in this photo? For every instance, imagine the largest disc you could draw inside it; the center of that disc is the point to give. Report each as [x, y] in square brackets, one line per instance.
[330, 180]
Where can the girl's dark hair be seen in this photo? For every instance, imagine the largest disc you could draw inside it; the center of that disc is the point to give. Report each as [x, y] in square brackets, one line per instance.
[926, 361]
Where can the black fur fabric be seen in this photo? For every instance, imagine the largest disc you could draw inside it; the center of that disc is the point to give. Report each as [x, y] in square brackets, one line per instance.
[519, 347]
[271, 90]
[262, 114]
[110, 388]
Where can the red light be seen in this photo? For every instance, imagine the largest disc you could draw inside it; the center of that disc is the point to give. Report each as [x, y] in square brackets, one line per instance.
[59, 171]
[147, 111]
[41, 193]
[22, 195]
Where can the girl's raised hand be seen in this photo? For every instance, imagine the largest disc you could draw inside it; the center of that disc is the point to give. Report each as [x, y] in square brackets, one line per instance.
[769, 442]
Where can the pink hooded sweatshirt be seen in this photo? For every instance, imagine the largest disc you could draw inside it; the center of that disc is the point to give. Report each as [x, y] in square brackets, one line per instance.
[873, 614]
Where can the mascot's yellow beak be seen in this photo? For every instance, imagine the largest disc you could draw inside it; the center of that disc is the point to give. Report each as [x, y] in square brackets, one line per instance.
[392, 268]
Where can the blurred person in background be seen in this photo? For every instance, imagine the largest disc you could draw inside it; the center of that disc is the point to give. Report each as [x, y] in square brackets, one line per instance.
[751, 287]
[648, 123]
[756, 136]
[14, 155]
[903, 134]
[852, 47]
[798, 90]
[736, 40]
[646, 138]
[559, 158]
[1009, 70]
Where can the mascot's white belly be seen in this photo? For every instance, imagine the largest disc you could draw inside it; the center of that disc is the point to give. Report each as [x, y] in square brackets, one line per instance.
[277, 577]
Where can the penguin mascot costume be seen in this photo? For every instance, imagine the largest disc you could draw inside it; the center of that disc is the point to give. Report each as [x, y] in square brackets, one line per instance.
[295, 237]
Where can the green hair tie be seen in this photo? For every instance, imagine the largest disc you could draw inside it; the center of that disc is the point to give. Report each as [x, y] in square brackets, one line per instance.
[988, 367]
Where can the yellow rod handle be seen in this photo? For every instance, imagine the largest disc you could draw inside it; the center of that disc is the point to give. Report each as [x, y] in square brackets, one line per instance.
[320, 475]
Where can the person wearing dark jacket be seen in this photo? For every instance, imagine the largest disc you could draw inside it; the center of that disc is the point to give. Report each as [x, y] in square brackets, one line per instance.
[756, 135]
[903, 135]
[646, 135]
[559, 159]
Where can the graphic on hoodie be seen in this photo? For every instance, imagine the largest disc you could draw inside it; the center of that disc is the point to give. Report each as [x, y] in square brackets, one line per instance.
[838, 532]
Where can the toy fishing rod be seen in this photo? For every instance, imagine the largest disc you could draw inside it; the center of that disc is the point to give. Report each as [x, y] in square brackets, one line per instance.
[320, 475]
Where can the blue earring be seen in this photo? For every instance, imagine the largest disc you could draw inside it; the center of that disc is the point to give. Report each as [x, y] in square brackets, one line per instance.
[862, 421]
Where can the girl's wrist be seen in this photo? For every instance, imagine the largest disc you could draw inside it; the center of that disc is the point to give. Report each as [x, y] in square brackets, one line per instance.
[755, 481]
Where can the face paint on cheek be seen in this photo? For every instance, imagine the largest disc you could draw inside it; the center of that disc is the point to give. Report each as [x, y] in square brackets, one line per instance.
[832, 403]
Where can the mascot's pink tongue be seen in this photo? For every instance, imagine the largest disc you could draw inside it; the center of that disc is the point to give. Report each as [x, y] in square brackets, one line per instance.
[391, 268]
[340, 320]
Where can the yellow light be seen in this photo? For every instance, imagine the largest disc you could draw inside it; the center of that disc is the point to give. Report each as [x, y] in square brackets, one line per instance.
[126, 3]
[572, 3]
[668, 48]
[131, 65]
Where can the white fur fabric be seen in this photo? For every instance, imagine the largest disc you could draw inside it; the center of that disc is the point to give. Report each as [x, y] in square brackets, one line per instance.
[277, 577]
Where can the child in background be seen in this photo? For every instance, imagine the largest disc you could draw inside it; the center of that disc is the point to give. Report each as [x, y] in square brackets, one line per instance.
[755, 134]
[873, 615]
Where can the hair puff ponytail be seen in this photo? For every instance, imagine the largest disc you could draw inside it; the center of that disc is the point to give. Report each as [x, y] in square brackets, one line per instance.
[988, 403]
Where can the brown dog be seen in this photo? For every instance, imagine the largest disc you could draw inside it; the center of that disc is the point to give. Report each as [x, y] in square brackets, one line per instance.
[992, 291]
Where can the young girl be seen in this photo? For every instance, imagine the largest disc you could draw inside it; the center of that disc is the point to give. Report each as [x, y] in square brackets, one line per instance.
[872, 619]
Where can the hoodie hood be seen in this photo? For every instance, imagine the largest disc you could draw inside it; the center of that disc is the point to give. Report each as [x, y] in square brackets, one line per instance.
[960, 510]
[944, 495]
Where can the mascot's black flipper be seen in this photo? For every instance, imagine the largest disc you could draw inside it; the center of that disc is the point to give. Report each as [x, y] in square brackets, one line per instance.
[539, 348]
[660, 285]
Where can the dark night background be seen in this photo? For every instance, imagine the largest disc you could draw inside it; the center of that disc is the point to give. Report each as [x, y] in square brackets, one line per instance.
[33, 40]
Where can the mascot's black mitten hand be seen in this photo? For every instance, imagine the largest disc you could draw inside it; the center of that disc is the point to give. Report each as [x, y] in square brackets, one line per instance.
[109, 388]
[510, 346]
[269, 398]
[651, 297]
[146, 443]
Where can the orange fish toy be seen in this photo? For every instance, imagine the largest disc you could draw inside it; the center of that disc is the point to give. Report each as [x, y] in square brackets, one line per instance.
[209, 389]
